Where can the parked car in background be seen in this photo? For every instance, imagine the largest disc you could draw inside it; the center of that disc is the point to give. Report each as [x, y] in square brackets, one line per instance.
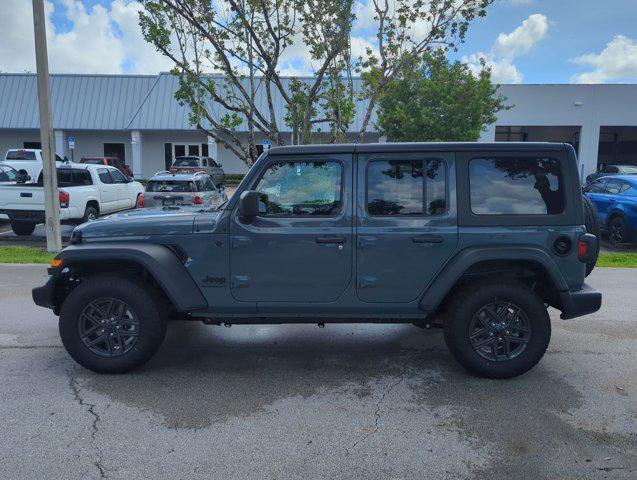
[8, 175]
[191, 188]
[27, 160]
[615, 201]
[116, 162]
[199, 164]
[605, 170]
[85, 192]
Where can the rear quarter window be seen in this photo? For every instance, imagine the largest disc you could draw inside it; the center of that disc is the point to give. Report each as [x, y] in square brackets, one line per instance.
[516, 186]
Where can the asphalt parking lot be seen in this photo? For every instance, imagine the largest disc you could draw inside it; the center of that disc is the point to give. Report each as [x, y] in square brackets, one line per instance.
[347, 401]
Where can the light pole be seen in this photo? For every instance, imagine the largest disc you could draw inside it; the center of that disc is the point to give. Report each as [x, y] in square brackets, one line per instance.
[49, 174]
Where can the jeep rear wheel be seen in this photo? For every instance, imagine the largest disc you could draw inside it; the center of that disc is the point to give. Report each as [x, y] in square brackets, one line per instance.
[112, 324]
[497, 330]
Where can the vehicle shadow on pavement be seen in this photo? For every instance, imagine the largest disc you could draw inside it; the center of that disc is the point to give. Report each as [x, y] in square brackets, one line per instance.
[202, 378]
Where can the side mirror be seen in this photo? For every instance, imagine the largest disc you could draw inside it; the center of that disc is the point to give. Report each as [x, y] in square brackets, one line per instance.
[23, 177]
[219, 165]
[249, 205]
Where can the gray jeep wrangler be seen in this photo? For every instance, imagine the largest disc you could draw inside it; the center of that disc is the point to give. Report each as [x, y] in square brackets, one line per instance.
[476, 238]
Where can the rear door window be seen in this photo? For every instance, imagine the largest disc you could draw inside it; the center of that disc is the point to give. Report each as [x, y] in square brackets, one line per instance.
[596, 187]
[73, 177]
[407, 187]
[516, 186]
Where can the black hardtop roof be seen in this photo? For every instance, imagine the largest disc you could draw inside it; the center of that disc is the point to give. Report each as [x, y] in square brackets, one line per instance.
[415, 147]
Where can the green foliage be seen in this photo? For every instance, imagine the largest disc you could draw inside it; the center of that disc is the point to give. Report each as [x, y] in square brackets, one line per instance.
[19, 254]
[436, 100]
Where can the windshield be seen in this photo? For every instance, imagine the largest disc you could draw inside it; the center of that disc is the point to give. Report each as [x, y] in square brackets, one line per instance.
[170, 186]
[186, 162]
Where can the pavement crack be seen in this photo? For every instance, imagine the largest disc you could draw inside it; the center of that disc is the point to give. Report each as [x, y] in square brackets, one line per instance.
[378, 412]
[91, 408]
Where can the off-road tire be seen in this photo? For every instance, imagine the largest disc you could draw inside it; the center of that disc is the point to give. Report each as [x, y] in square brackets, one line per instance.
[469, 301]
[90, 213]
[592, 226]
[23, 229]
[139, 296]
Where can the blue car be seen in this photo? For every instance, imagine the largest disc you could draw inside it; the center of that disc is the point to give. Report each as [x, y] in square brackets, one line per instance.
[615, 201]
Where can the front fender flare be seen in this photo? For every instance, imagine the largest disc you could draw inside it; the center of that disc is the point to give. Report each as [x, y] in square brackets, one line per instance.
[440, 286]
[160, 262]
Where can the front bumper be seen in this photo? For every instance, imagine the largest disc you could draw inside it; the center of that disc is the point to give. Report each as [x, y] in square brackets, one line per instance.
[43, 296]
[580, 302]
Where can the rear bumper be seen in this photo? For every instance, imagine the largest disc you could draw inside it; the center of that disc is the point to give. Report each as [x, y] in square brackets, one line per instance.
[38, 216]
[580, 302]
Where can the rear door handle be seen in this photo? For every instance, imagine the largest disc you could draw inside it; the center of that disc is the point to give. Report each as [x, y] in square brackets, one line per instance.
[331, 239]
[427, 239]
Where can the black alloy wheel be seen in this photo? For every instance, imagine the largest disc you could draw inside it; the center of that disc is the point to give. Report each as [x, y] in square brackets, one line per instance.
[499, 331]
[109, 327]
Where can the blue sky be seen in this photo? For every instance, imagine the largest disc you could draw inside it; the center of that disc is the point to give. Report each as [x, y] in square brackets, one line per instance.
[524, 41]
[576, 28]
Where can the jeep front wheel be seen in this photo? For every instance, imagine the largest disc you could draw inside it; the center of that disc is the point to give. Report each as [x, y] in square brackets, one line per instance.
[112, 324]
[497, 330]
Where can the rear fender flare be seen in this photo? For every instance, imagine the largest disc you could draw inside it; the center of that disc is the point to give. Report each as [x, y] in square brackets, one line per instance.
[444, 281]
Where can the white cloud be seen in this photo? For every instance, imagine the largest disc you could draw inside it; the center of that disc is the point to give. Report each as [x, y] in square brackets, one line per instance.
[617, 61]
[99, 40]
[509, 46]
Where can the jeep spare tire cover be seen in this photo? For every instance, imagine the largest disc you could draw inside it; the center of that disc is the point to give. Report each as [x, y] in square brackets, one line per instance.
[592, 226]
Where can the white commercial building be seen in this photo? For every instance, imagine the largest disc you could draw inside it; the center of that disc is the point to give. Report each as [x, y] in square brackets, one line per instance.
[137, 118]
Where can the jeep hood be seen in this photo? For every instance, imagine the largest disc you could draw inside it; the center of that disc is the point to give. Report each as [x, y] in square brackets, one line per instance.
[145, 222]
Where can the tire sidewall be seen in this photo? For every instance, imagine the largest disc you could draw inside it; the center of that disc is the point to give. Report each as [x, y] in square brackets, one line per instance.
[87, 213]
[457, 330]
[151, 330]
[617, 220]
[23, 229]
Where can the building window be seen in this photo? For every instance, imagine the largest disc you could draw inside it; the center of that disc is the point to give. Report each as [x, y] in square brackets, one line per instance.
[168, 155]
[617, 145]
[204, 149]
[115, 150]
[32, 145]
[509, 134]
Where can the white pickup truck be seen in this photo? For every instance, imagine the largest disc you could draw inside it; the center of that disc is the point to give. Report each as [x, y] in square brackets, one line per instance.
[27, 161]
[86, 191]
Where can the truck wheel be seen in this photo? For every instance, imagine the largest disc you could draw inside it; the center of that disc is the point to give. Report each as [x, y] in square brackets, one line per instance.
[112, 324]
[592, 226]
[22, 228]
[90, 214]
[497, 329]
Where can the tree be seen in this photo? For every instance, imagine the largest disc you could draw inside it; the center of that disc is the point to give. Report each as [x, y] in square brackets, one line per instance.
[436, 100]
[228, 52]
[405, 30]
[227, 55]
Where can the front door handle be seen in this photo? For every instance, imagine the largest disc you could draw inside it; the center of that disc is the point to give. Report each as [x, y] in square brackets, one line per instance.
[331, 239]
[427, 239]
